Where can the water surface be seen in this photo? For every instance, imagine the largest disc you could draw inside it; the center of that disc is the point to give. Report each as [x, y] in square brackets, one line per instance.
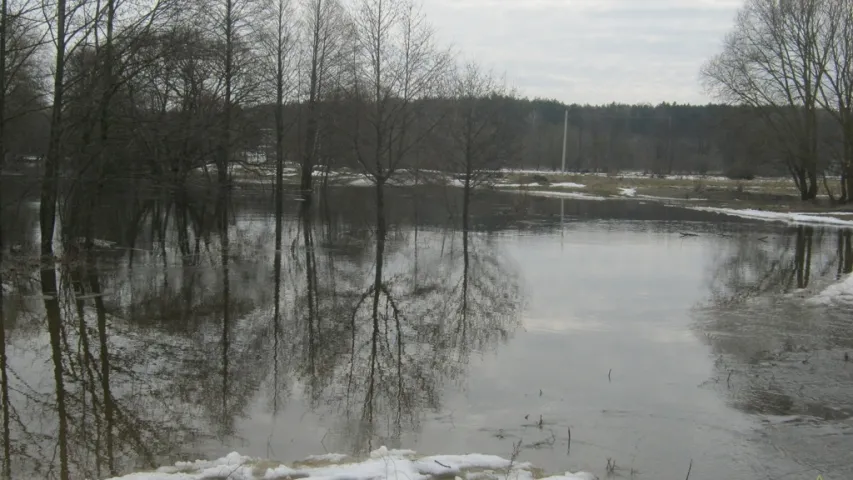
[587, 331]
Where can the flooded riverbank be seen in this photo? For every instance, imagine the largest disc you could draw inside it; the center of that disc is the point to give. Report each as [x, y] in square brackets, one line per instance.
[592, 333]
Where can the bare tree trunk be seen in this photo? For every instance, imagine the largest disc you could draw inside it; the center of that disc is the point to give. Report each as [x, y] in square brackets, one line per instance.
[4, 374]
[306, 184]
[49, 186]
[279, 126]
[225, 155]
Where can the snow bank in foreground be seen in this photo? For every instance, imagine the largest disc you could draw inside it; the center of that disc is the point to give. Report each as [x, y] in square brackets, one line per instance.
[837, 293]
[382, 464]
[792, 218]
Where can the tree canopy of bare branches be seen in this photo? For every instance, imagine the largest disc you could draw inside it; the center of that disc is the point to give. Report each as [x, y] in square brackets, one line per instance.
[790, 61]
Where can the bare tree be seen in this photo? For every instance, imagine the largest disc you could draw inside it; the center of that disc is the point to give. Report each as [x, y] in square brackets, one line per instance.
[232, 26]
[836, 92]
[279, 44]
[325, 27]
[482, 127]
[396, 66]
[774, 61]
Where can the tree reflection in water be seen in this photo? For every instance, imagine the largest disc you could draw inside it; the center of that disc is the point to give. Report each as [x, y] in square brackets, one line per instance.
[769, 340]
[160, 340]
[777, 355]
[392, 334]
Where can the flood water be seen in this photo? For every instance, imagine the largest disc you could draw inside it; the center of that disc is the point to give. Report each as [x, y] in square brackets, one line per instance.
[587, 330]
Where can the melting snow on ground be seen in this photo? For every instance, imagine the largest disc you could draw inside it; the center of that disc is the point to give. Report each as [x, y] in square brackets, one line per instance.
[568, 185]
[516, 185]
[361, 182]
[837, 293]
[786, 217]
[572, 195]
[382, 464]
[628, 192]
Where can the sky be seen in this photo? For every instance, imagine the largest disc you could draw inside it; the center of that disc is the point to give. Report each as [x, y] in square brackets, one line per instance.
[590, 51]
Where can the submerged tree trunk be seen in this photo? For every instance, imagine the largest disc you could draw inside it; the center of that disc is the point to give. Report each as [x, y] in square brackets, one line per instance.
[54, 326]
[847, 168]
[279, 224]
[226, 311]
[803, 256]
[4, 374]
[310, 285]
[104, 354]
[306, 184]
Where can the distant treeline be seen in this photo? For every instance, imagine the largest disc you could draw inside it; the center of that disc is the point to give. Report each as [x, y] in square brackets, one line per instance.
[659, 139]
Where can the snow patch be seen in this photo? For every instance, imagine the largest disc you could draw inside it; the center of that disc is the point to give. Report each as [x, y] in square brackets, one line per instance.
[568, 185]
[837, 293]
[628, 192]
[785, 217]
[327, 457]
[382, 464]
[573, 195]
[361, 182]
[517, 185]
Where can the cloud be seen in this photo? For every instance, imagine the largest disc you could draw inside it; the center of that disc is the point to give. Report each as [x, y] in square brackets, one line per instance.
[590, 51]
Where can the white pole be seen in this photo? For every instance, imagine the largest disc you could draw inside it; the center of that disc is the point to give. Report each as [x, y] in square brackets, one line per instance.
[565, 134]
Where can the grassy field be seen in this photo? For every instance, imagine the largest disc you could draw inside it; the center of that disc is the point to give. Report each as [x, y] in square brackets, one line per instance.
[776, 194]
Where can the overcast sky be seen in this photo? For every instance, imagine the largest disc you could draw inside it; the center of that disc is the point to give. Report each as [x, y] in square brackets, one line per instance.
[590, 51]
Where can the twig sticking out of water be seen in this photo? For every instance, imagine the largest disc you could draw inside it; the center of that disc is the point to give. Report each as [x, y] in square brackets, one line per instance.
[729, 379]
[443, 465]
[611, 466]
[569, 446]
[689, 469]
[608, 374]
[516, 451]
[322, 440]
[763, 239]
[688, 234]
[541, 422]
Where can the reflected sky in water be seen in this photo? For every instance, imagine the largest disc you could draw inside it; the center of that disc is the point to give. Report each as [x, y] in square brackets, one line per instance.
[182, 336]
